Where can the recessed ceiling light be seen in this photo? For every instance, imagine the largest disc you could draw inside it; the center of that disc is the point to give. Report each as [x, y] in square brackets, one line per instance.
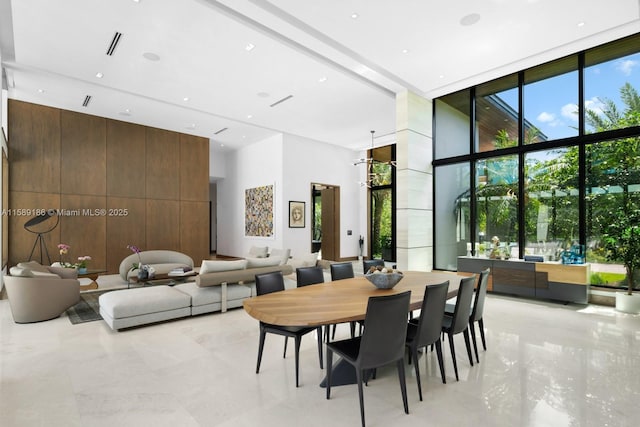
[470, 19]
[580, 24]
[263, 95]
[322, 79]
[151, 56]
[441, 76]
[99, 75]
[250, 116]
[244, 136]
[190, 126]
[355, 15]
[405, 50]
[126, 112]
[249, 47]
[221, 144]
[185, 99]
[40, 90]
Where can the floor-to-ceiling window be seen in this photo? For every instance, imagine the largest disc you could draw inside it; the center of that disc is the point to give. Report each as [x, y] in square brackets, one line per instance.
[382, 206]
[541, 161]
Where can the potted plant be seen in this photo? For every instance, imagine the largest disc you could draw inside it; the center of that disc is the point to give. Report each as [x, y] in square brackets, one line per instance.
[622, 244]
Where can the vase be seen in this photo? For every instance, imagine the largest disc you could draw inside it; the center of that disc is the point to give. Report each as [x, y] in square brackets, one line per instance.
[142, 272]
[82, 270]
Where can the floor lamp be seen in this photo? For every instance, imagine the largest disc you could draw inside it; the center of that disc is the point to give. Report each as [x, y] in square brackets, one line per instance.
[38, 219]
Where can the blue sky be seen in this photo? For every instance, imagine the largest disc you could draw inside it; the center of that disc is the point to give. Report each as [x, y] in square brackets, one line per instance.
[551, 104]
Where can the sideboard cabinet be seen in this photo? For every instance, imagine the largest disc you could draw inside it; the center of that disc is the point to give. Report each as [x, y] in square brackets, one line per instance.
[544, 280]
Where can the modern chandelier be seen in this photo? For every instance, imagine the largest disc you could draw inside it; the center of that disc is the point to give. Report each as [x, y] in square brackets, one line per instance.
[370, 162]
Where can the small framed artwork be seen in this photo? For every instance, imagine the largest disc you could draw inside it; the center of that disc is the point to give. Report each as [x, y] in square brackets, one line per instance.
[296, 214]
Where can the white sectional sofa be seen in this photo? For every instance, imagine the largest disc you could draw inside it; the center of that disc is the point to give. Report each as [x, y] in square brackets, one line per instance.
[219, 286]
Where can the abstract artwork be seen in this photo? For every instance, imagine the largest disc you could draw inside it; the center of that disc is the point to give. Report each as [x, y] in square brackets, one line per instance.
[258, 211]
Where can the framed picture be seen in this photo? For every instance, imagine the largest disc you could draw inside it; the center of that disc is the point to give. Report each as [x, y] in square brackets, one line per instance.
[296, 214]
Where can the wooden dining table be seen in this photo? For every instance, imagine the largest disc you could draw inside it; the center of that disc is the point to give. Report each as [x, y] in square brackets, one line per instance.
[339, 301]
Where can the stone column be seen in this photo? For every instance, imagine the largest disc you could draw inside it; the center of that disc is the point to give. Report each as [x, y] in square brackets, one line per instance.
[414, 182]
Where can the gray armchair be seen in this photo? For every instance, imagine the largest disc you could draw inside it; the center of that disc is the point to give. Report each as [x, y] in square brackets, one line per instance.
[35, 295]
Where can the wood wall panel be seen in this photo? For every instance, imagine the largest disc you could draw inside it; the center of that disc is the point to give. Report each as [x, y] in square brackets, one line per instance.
[194, 230]
[194, 167]
[125, 159]
[83, 154]
[83, 226]
[162, 165]
[35, 154]
[23, 206]
[71, 160]
[124, 230]
[163, 224]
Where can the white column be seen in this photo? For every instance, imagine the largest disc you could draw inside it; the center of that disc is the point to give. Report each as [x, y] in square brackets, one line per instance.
[414, 182]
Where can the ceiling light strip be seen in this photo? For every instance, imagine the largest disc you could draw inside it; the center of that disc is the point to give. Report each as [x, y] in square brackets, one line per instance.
[87, 99]
[220, 131]
[286, 98]
[114, 43]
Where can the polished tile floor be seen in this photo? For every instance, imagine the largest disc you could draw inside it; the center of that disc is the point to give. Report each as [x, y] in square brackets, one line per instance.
[547, 364]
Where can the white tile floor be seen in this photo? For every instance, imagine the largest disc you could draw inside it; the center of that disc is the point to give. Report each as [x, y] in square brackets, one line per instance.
[547, 364]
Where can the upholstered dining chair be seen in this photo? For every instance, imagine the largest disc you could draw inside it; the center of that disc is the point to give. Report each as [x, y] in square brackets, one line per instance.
[381, 343]
[459, 322]
[477, 310]
[274, 282]
[309, 276]
[340, 271]
[426, 330]
[368, 263]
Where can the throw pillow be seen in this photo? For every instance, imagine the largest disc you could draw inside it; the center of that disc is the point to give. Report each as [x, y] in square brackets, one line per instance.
[262, 262]
[33, 266]
[258, 252]
[211, 266]
[310, 260]
[20, 272]
[281, 254]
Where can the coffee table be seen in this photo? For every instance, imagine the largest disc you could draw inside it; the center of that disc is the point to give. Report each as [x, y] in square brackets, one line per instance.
[162, 279]
[93, 275]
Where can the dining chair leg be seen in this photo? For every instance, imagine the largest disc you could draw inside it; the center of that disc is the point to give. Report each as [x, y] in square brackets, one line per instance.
[472, 331]
[403, 384]
[481, 327]
[440, 360]
[453, 355]
[360, 394]
[333, 334]
[414, 355]
[298, 339]
[467, 343]
[319, 333]
[260, 348]
[284, 354]
[329, 369]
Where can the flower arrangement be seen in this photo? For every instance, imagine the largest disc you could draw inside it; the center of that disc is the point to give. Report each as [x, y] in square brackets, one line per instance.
[63, 248]
[135, 250]
[82, 261]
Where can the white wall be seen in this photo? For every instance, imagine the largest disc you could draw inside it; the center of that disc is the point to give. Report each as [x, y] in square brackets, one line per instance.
[307, 161]
[257, 165]
[290, 163]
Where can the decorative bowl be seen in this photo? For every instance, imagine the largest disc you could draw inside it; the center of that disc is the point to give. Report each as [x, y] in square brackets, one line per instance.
[384, 280]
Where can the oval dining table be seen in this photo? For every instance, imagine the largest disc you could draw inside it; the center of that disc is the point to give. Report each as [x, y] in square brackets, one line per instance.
[339, 301]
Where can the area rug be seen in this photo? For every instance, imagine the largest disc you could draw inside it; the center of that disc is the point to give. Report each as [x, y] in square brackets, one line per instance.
[87, 309]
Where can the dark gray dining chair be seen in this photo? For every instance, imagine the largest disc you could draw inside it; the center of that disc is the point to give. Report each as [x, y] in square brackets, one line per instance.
[459, 322]
[340, 271]
[274, 282]
[381, 343]
[477, 310]
[426, 330]
[309, 276]
[368, 263]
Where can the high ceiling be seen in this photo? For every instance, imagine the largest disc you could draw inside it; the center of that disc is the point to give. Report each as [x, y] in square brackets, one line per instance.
[187, 65]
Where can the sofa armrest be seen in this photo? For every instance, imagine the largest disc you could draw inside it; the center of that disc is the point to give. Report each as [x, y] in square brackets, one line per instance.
[63, 272]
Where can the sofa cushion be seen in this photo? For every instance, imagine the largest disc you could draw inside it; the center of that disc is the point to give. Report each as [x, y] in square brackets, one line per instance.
[33, 266]
[210, 266]
[306, 260]
[263, 262]
[20, 272]
[140, 301]
[281, 254]
[258, 251]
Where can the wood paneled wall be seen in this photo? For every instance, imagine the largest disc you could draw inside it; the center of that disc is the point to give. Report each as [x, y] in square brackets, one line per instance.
[113, 183]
